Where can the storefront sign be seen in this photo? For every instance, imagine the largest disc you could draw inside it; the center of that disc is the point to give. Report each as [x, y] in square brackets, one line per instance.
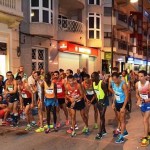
[138, 61]
[74, 48]
[107, 56]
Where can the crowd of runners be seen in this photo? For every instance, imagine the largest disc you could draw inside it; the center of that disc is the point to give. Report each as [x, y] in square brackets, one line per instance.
[71, 92]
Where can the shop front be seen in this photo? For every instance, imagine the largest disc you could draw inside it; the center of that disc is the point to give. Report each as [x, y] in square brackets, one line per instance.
[73, 56]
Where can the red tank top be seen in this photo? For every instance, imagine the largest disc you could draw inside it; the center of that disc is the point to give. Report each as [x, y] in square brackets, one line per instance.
[74, 92]
[25, 93]
[60, 88]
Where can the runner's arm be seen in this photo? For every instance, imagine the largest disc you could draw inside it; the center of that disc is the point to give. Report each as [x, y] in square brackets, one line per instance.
[55, 90]
[125, 89]
[104, 89]
[110, 87]
[137, 93]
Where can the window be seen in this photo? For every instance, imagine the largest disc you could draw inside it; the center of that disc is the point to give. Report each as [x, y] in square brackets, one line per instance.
[42, 11]
[107, 11]
[107, 34]
[94, 26]
[38, 59]
[94, 2]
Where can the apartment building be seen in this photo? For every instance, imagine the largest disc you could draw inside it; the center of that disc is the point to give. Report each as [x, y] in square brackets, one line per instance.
[131, 29]
[61, 34]
[10, 18]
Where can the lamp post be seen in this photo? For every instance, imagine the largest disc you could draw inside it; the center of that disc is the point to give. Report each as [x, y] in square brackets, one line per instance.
[147, 45]
[112, 35]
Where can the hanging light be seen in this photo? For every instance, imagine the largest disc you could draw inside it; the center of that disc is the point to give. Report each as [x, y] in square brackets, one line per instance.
[133, 1]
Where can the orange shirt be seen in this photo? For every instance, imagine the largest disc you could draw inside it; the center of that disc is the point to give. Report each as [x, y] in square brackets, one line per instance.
[49, 91]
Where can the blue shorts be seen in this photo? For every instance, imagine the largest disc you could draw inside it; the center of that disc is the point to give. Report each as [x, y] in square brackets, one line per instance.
[50, 102]
[145, 107]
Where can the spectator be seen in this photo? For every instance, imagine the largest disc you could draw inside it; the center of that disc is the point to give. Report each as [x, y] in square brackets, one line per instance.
[77, 76]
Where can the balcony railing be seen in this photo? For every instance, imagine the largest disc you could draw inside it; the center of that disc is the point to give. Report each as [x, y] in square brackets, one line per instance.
[8, 3]
[122, 18]
[68, 25]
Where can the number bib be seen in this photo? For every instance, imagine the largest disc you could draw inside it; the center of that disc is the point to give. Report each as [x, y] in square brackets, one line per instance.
[24, 95]
[10, 89]
[144, 96]
[49, 91]
[117, 97]
[90, 92]
[59, 90]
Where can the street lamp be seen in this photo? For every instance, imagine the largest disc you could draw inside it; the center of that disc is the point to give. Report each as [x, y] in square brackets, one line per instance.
[112, 35]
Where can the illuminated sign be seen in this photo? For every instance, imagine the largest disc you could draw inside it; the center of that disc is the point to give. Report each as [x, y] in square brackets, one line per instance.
[63, 46]
[84, 50]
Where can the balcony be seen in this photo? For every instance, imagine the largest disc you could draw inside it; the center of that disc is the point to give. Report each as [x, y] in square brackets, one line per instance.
[123, 23]
[71, 30]
[10, 12]
[47, 29]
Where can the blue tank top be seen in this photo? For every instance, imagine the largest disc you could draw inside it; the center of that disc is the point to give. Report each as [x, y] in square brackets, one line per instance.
[119, 93]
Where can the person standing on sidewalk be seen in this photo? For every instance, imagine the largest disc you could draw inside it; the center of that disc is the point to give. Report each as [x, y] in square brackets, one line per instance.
[120, 103]
[101, 93]
[143, 100]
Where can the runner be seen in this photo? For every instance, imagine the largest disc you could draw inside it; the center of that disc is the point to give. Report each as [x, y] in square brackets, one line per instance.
[74, 95]
[61, 94]
[50, 101]
[26, 99]
[120, 102]
[90, 97]
[40, 102]
[101, 93]
[11, 89]
[143, 100]
[110, 88]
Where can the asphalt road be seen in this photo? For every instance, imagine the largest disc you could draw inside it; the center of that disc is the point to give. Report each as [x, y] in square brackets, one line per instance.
[13, 139]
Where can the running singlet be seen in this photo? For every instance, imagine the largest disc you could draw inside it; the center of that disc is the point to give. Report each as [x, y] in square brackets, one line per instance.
[144, 90]
[119, 93]
[49, 91]
[60, 88]
[74, 92]
[25, 93]
[88, 88]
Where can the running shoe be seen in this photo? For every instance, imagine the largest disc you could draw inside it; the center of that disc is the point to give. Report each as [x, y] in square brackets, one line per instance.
[116, 132]
[76, 127]
[56, 129]
[28, 127]
[33, 124]
[51, 126]
[48, 130]
[98, 136]
[144, 142]
[73, 134]
[95, 126]
[120, 139]
[125, 133]
[69, 130]
[85, 130]
[40, 129]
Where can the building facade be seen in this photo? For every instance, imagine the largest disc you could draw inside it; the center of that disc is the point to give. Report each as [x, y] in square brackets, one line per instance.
[55, 35]
[10, 18]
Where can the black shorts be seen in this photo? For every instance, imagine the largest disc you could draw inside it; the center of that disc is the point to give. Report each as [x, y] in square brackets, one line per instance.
[13, 98]
[79, 105]
[118, 106]
[27, 101]
[68, 104]
[89, 97]
[61, 101]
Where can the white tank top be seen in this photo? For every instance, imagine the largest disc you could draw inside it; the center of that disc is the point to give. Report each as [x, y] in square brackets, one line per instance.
[144, 90]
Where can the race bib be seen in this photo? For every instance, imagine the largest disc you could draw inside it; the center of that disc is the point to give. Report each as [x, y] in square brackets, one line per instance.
[117, 97]
[24, 95]
[144, 96]
[49, 91]
[90, 92]
[10, 89]
[59, 90]
[97, 92]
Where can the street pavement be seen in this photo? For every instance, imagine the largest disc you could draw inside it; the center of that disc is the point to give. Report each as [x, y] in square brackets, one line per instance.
[13, 139]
